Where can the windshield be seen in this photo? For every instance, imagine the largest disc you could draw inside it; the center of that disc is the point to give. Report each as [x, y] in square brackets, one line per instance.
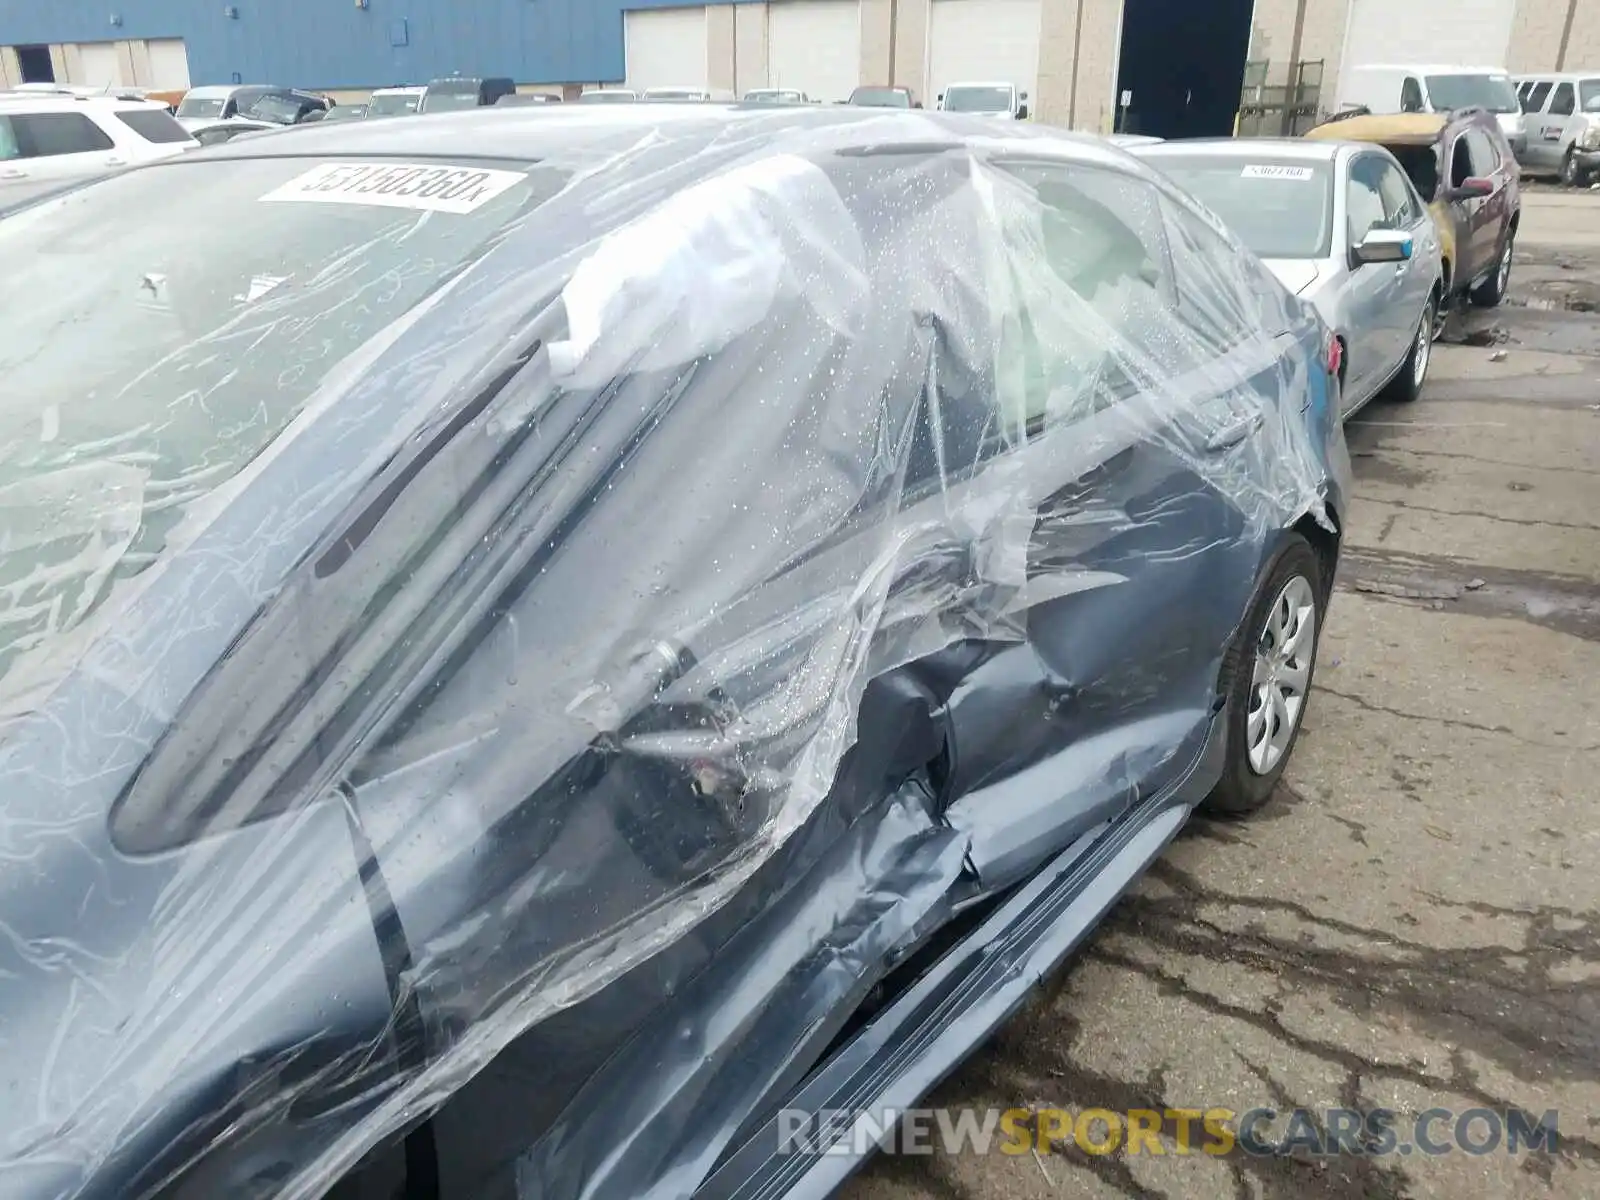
[150, 352]
[881, 97]
[771, 97]
[194, 106]
[978, 99]
[1493, 92]
[1279, 209]
[607, 98]
[673, 94]
[395, 104]
[437, 101]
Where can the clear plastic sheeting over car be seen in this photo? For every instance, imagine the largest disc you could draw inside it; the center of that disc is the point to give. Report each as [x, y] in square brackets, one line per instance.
[429, 627]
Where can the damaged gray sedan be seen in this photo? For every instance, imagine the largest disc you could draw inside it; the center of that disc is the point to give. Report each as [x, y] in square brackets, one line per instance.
[589, 638]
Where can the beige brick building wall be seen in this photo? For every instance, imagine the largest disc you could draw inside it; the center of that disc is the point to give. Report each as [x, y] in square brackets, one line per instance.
[1536, 35]
[1079, 44]
[911, 21]
[877, 34]
[750, 46]
[719, 46]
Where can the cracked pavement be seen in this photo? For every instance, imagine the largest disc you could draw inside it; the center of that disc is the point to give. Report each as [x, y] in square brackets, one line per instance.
[1414, 920]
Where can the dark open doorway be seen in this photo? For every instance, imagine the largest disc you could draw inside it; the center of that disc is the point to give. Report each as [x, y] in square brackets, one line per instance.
[1183, 61]
[36, 65]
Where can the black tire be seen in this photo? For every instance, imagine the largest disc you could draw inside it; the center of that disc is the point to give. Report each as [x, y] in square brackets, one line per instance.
[1406, 386]
[1447, 303]
[1242, 790]
[1492, 290]
[1572, 175]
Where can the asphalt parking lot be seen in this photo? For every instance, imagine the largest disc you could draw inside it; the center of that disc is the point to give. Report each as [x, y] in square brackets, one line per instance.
[1414, 922]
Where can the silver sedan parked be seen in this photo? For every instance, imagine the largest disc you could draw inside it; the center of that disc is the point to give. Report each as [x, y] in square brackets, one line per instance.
[1341, 226]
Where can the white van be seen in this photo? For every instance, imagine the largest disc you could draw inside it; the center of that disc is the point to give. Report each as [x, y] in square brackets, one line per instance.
[1437, 89]
[1563, 112]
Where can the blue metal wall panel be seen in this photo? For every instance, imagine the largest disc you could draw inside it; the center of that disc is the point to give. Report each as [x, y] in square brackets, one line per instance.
[334, 43]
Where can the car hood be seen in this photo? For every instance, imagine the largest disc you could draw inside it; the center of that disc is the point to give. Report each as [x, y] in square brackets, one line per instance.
[1296, 274]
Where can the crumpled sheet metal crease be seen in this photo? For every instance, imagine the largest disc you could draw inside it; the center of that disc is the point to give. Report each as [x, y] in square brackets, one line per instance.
[319, 790]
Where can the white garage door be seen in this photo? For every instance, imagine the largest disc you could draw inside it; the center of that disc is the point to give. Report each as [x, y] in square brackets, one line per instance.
[983, 41]
[169, 64]
[97, 64]
[815, 45]
[666, 47]
[1466, 32]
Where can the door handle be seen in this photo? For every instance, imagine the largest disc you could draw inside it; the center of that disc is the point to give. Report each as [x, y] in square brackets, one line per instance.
[115, 160]
[1229, 437]
[13, 173]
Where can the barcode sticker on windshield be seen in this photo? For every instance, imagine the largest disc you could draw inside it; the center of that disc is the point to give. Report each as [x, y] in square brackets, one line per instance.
[1264, 171]
[399, 185]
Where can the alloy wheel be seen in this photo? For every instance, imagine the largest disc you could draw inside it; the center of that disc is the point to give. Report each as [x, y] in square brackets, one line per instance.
[1505, 267]
[1282, 676]
[1423, 350]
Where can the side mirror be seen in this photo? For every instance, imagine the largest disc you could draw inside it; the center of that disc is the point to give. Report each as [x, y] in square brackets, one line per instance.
[1472, 188]
[1023, 96]
[939, 99]
[1383, 246]
[1022, 112]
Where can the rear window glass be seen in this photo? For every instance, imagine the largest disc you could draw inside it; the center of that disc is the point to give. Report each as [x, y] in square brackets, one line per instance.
[47, 135]
[394, 104]
[1278, 208]
[152, 351]
[978, 99]
[197, 106]
[155, 125]
[445, 101]
[881, 97]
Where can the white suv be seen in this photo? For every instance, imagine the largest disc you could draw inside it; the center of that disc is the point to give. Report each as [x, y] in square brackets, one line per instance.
[48, 140]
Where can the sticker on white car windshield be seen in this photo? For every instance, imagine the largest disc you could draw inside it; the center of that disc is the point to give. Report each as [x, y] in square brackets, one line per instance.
[1265, 171]
[418, 186]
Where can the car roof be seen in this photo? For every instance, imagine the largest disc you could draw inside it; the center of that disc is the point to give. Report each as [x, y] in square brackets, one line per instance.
[998, 83]
[1400, 129]
[217, 91]
[400, 89]
[581, 134]
[1558, 76]
[1435, 68]
[1239, 149]
[66, 102]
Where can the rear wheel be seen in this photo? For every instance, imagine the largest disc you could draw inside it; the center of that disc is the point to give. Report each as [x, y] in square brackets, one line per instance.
[1269, 673]
[1491, 291]
[1406, 386]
